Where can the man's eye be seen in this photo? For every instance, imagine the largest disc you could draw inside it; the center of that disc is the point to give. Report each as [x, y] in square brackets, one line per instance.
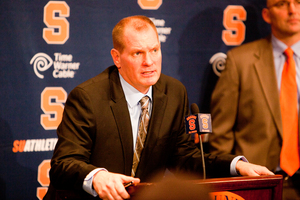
[281, 3]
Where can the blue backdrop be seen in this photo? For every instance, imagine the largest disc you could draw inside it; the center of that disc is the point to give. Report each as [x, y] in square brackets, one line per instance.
[49, 47]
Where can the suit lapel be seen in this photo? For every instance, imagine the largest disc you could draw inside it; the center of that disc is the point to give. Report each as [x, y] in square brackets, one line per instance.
[120, 111]
[158, 110]
[155, 126]
[266, 73]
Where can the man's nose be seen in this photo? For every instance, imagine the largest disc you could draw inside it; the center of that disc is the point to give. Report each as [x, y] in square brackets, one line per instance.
[147, 59]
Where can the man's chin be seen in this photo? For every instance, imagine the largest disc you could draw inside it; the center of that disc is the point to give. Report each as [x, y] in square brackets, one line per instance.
[150, 80]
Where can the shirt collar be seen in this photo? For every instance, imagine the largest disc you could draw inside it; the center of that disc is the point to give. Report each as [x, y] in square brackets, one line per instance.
[132, 95]
[279, 47]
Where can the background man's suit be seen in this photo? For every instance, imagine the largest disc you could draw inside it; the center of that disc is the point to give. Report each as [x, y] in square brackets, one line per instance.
[96, 132]
[245, 106]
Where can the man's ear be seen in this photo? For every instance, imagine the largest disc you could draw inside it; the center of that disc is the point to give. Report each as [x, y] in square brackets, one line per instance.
[266, 15]
[115, 54]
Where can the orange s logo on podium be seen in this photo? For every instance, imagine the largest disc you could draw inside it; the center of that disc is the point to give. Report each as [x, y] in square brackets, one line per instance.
[224, 195]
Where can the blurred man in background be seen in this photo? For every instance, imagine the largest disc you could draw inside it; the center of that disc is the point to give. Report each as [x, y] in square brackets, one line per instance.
[255, 103]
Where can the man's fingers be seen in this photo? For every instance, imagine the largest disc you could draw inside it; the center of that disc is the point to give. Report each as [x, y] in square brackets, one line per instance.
[263, 171]
[111, 186]
[121, 191]
[113, 191]
[249, 169]
[128, 179]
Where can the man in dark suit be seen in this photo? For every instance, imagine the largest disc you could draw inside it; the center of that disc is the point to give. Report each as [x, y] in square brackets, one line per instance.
[98, 132]
[246, 106]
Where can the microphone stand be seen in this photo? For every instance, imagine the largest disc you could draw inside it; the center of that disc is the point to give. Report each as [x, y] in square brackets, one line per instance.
[202, 155]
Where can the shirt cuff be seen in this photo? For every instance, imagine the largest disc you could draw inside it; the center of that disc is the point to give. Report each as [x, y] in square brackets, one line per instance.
[233, 171]
[88, 182]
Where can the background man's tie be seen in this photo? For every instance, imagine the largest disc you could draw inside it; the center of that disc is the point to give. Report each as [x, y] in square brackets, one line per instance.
[141, 136]
[289, 157]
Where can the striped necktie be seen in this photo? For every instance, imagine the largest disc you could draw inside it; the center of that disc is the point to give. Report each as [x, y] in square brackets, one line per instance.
[142, 133]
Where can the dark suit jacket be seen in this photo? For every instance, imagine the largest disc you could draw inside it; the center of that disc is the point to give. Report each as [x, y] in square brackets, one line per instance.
[245, 106]
[96, 132]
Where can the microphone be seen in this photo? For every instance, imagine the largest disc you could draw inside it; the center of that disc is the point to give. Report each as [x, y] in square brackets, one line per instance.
[197, 124]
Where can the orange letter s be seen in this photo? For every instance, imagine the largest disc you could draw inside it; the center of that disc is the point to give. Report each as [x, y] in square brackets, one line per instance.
[235, 28]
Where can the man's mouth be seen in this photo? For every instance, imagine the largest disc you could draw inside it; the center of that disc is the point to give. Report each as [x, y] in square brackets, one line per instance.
[147, 72]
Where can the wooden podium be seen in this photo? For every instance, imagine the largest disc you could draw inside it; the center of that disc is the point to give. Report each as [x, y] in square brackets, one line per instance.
[248, 188]
[263, 187]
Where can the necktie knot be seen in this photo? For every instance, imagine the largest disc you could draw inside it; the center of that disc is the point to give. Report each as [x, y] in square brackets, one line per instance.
[289, 53]
[144, 102]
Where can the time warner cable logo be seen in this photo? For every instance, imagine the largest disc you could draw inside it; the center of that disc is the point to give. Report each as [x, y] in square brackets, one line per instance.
[218, 62]
[63, 65]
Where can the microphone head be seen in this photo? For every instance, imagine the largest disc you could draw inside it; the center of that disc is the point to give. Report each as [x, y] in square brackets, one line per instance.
[198, 122]
[195, 109]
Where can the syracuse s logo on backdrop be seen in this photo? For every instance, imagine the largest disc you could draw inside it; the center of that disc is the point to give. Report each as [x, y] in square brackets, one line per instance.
[149, 4]
[233, 35]
[56, 33]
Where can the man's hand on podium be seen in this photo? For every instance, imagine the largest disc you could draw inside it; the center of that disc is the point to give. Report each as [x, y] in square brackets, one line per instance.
[111, 185]
[249, 169]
